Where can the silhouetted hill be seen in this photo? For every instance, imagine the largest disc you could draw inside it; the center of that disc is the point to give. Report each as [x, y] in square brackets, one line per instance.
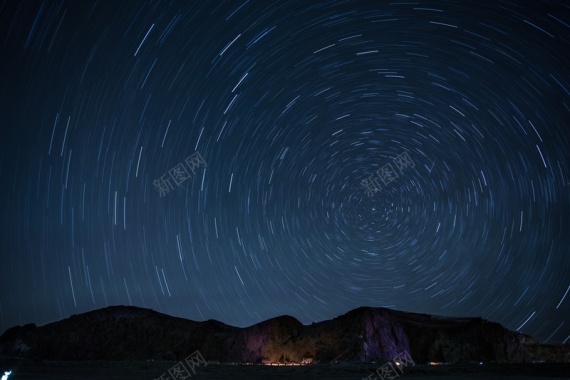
[364, 334]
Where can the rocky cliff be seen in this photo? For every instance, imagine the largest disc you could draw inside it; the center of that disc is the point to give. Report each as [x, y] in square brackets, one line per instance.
[363, 335]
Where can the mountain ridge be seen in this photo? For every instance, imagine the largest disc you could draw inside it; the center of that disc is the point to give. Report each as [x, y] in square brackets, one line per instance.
[363, 334]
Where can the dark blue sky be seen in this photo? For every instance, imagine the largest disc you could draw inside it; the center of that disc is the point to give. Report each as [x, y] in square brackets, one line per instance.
[292, 105]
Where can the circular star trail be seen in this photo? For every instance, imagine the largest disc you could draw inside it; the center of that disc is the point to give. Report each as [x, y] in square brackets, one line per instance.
[243, 160]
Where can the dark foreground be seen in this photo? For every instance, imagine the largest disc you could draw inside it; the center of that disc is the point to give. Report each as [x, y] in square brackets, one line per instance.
[24, 370]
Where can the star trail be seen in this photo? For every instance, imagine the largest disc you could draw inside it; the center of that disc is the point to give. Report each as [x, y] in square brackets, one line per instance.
[291, 106]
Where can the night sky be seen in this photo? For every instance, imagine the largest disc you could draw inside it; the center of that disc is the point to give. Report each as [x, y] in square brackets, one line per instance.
[241, 160]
